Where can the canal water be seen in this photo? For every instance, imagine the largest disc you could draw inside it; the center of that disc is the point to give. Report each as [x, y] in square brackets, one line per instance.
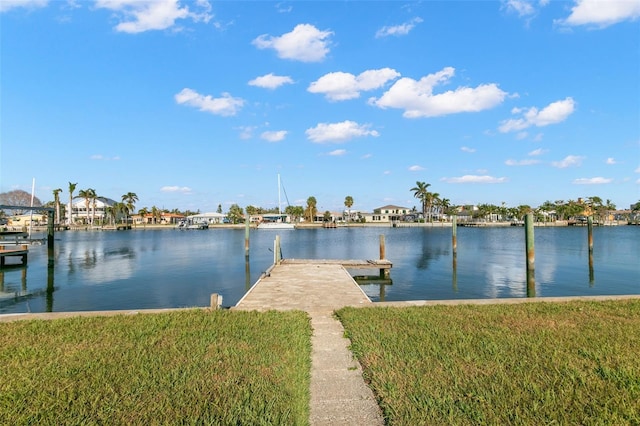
[167, 268]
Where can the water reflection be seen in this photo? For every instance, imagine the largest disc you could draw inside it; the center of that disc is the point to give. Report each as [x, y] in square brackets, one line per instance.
[156, 269]
[11, 293]
[380, 280]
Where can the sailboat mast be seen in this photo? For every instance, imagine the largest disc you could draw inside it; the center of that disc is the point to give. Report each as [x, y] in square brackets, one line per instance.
[279, 203]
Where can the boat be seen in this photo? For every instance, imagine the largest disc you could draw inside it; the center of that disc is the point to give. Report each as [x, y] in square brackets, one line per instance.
[276, 221]
[188, 224]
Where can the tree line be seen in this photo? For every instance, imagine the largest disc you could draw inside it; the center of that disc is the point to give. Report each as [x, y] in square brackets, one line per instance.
[433, 206]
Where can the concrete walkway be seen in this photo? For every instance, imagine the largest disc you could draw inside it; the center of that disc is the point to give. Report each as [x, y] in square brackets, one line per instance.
[339, 395]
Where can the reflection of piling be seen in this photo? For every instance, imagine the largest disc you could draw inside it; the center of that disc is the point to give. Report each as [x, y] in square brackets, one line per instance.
[454, 235]
[247, 273]
[530, 249]
[50, 288]
[454, 277]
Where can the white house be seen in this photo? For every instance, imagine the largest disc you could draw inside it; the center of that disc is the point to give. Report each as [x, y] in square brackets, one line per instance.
[387, 214]
[96, 210]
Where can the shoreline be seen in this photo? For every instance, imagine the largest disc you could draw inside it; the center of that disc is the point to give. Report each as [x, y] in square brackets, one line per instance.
[395, 304]
[320, 225]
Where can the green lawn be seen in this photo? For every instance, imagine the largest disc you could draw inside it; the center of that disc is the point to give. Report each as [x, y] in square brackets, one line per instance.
[574, 363]
[189, 367]
[530, 364]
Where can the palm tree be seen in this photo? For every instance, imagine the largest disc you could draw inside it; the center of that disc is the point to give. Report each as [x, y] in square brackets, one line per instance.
[143, 212]
[88, 195]
[311, 208]
[129, 199]
[94, 198]
[155, 214]
[421, 193]
[72, 187]
[56, 200]
[348, 202]
[432, 198]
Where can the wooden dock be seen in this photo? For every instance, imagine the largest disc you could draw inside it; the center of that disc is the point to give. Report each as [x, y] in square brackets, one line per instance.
[309, 285]
[338, 392]
[22, 253]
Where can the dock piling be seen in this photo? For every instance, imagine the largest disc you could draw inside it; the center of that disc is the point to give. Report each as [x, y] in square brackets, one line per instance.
[246, 236]
[530, 250]
[454, 234]
[277, 255]
[384, 273]
[216, 301]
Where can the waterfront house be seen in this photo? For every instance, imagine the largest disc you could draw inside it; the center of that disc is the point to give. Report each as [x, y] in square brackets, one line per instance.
[97, 209]
[389, 213]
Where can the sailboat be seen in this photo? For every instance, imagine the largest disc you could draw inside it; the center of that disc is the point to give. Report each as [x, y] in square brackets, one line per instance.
[276, 221]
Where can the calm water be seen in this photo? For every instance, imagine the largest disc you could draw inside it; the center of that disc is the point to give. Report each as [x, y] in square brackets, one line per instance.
[95, 270]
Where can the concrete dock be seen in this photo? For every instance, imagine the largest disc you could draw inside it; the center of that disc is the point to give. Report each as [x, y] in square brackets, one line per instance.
[339, 395]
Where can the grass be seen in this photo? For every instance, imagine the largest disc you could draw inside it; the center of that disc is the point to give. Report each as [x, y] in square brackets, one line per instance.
[525, 364]
[189, 367]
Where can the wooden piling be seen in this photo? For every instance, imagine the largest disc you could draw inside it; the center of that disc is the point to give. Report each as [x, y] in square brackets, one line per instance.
[216, 301]
[50, 237]
[530, 253]
[384, 273]
[590, 243]
[246, 235]
[454, 234]
[277, 258]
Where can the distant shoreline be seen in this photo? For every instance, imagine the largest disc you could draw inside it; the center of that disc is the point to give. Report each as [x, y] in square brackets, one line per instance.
[559, 223]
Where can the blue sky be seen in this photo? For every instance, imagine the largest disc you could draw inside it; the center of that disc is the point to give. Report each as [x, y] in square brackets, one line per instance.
[195, 104]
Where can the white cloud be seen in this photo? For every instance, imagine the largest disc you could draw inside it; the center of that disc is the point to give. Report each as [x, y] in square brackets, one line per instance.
[592, 181]
[601, 13]
[101, 157]
[246, 132]
[467, 149]
[274, 136]
[338, 152]
[339, 132]
[283, 8]
[145, 15]
[555, 112]
[418, 100]
[521, 162]
[398, 30]
[637, 170]
[474, 179]
[537, 152]
[183, 189]
[340, 86]
[270, 81]
[611, 161]
[6, 5]
[568, 161]
[305, 43]
[226, 105]
[521, 7]
[415, 168]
